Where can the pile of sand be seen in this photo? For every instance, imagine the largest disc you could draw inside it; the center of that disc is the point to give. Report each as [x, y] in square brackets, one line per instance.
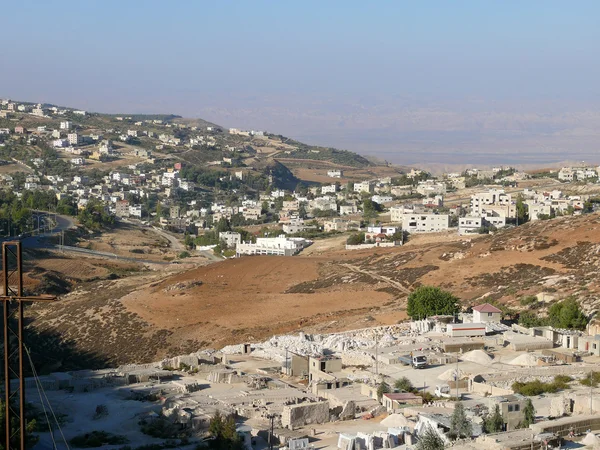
[591, 440]
[395, 421]
[477, 356]
[526, 359]
[449, 375]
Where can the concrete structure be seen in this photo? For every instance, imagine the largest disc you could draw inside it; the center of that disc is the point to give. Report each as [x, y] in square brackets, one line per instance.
[397, 400]
[322, 367]
[74, 138]
[512, 408]
[335, 173]
[231, 238]
[425, 223]
[486, 313]
[279, 246]
[465, 329]
[365, 186]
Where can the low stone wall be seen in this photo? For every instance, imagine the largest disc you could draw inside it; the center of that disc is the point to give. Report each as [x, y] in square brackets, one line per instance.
[377, 244]
[483, 389]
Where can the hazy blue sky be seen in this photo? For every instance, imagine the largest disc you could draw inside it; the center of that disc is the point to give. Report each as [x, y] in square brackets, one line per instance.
[319, 70]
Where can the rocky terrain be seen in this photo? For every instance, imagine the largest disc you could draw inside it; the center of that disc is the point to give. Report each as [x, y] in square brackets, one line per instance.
[152, 314]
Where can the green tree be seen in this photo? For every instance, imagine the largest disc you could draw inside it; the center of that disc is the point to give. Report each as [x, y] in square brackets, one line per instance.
[430, 301]
[530, 319]
[371, 209]
[430, 440]
[30, 438]
[460, 427]
[404, 384]
[356, 239]
[567, 314]
[521, 208]
[529, 414]
[223, 430]
[383, 388]
[494, 422]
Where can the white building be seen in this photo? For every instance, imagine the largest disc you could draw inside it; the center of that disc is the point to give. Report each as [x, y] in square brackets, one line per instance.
[425, 223]
[135, 211]
[488, 200]
[472, 224]
[74, 138]
[231, 238]
[381, 199]
[279, 246]
[295, 225]
[469, 225]
[335, 173]
[348, 209]
[331, 189]
[486, 313]
[431, 187]
[66, 125]
[365, 186]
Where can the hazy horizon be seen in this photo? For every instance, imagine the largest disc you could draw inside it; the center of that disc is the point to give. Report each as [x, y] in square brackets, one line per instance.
[461, 82]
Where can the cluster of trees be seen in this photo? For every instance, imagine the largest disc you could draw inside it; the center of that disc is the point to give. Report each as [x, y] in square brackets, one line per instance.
[16, 213]
[428, 301]
[565, 314]
[223, 432]
[371, 209]
[95, 216]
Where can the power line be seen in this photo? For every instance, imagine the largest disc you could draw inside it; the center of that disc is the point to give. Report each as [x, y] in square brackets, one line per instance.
[46, 397]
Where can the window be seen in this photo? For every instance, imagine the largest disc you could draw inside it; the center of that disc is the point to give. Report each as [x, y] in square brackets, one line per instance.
[490, 314]
[510, 408]
[517, 408]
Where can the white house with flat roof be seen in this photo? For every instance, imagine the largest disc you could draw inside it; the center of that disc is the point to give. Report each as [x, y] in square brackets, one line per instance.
[425, 223]
[279, 246]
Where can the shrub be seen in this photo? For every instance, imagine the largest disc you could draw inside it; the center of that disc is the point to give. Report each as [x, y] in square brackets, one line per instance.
[593, 379]
[404, 384]
[537, 387]
[95, 439]
[528, 300]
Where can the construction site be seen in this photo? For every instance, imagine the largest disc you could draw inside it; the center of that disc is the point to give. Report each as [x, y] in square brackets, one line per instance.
[324, 391]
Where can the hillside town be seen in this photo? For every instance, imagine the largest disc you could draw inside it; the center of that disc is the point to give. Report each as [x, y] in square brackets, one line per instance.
[472, 375]
[130, 172]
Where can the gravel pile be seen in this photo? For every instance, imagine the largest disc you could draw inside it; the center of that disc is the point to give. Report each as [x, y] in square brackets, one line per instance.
[526, 359]
[477, 356]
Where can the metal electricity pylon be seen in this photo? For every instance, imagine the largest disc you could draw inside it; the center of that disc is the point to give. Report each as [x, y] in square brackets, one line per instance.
[13, 300]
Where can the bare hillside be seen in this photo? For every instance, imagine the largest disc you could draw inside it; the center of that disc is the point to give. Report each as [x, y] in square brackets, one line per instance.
[147, 316]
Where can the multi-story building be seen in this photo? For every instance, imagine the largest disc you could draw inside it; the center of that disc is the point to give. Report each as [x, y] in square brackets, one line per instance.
[231, 238]
[488, 200]
[331, 189]
[431, 187]
[122, 208]
[66, 125]
[425, 223]
[365, 186]
[74, 138]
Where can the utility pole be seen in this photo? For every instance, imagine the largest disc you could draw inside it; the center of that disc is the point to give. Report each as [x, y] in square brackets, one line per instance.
[13, 300]
[376, 355]
[456, 377]
[591, 392]
[272, 428]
